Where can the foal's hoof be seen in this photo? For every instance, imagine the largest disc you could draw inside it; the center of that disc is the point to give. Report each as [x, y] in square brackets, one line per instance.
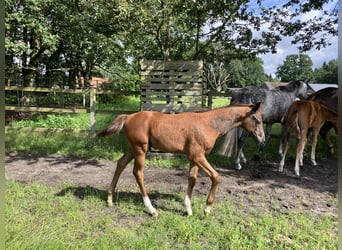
[207, 211]
[155, 214]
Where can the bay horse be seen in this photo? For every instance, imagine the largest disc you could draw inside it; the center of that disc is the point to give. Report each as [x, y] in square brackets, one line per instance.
[328, 97]
[275, 103]
[190, 133]
[302, 117]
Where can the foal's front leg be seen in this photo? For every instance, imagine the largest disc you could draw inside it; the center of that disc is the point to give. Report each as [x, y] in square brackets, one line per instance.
[138, 171]
[193, 172]
[202, 162]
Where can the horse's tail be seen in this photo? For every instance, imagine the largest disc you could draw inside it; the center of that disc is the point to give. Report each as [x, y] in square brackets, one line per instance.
[115, 127]
[229, 143]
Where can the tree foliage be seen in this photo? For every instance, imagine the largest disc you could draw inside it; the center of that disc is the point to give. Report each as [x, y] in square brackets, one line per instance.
[63, 40]
[248, 71]
[295, 66]
[328, 73]
[308, 31]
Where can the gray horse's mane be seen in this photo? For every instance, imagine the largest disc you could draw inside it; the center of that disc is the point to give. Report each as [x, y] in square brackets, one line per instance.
[291, 86]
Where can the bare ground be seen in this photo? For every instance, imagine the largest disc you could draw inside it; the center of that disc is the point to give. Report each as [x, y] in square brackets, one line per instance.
[257, 185]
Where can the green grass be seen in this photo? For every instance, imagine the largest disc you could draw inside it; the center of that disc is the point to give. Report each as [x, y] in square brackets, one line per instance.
[41, 217]
[111, 148]
[82, 121]
[69, 217]
[219, 102]
[69, 121]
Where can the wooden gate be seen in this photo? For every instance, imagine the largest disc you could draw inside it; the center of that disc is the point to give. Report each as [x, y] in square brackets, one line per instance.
[172, 86]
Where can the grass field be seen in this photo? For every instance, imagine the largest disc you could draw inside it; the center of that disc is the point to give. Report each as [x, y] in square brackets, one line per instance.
[44, 220]
[38, 218]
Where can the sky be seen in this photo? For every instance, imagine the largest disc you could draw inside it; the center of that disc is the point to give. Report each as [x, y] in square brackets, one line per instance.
[285, 48]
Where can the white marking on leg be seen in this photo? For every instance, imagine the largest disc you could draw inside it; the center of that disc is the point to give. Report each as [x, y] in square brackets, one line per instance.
[297, 166]
[237, 161]
[238, 166]
[280, 150]
[313, 158]
[207, 210]
[243, 158]
[148, 204]
[110, 199]
[282, 163]
[187, 203]
[301, 159]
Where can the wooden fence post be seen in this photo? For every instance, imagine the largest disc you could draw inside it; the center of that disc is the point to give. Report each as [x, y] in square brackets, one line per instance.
[92, 111]
[210, 100]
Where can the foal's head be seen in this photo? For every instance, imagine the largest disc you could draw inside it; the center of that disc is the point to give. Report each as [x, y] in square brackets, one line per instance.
[252, 123]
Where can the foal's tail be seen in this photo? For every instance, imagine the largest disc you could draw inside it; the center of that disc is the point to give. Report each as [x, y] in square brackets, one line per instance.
[293, 124]
[115, 127]
[229, 143]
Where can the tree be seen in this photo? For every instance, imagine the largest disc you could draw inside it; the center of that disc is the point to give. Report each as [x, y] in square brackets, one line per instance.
[328, 73]
[313, 31]
[84, 37]
[248, 71]
[295, 66]
[29, 36]
[179, 29]
[49, 37]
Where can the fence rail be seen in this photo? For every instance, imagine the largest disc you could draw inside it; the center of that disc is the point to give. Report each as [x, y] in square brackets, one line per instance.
[91, 109]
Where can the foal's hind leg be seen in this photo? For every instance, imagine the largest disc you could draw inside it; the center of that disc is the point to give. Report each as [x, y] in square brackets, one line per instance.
[313, 145]
[122, 163]
[193, 171]
[300, 150]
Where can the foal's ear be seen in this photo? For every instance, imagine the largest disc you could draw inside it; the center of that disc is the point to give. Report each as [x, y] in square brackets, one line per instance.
[256, 107]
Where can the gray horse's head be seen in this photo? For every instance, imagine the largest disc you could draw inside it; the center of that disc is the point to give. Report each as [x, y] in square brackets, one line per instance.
[299, 87]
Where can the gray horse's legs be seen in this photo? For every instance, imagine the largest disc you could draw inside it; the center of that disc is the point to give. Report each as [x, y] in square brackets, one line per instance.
[242, 137]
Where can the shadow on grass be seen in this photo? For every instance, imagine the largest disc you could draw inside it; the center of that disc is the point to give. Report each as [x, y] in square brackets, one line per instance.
[158, 199]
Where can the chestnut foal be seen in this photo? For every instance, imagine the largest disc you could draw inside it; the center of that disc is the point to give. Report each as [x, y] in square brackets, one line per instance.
[190, 133]
[302, 117]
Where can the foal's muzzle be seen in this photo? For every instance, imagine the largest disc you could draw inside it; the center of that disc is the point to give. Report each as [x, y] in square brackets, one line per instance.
[260, 137]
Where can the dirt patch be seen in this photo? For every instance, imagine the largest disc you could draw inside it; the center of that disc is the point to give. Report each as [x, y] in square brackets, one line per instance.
[258, 184]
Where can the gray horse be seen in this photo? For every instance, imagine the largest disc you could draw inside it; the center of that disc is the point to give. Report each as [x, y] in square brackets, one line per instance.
[275, 103]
